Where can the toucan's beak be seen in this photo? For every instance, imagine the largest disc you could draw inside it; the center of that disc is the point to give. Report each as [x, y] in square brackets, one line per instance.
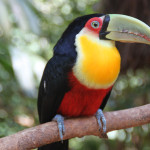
[125, 29]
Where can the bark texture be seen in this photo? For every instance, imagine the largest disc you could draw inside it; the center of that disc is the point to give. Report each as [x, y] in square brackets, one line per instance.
[76, 127]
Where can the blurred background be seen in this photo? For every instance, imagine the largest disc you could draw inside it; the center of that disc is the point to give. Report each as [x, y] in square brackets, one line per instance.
[28, 33]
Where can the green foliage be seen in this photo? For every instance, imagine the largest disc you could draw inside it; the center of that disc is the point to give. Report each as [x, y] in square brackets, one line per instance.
[28, 32]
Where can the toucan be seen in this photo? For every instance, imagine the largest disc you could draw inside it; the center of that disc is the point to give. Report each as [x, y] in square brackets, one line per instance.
[78, 79]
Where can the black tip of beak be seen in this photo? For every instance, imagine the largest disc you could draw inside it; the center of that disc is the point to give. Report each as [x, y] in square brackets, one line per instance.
[103, 32]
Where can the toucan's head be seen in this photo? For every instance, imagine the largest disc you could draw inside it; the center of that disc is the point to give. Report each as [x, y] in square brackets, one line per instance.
[91, 40]
[113, 27]
[119, 28]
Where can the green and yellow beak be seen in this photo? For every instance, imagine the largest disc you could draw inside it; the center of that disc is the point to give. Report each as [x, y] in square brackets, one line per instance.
[125, 29]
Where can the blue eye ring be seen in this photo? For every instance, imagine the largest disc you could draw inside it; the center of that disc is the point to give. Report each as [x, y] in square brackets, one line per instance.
[95, 24]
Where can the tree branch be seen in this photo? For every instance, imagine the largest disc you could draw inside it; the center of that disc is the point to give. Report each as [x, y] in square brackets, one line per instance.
[77, 127]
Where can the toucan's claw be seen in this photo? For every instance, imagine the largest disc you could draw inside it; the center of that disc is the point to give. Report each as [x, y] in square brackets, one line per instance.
[61, 127]
[101, 118]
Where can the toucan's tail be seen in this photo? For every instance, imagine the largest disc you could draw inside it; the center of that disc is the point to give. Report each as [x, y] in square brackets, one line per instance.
[55, 146]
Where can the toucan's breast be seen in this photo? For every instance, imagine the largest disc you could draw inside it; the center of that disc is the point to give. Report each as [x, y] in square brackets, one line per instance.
[98, 61]
[80, 100]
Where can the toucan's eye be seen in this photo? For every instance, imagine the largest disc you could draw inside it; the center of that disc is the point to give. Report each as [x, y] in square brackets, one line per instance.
[95, 24]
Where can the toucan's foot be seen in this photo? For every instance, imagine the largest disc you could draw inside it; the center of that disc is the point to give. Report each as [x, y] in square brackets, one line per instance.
[61, 127]
[101, 118]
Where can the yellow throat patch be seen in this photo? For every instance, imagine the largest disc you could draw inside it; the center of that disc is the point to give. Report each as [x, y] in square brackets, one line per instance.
[98, 61]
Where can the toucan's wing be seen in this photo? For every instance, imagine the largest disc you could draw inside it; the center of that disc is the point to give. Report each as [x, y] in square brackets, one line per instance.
[105, 100]
[53, 86]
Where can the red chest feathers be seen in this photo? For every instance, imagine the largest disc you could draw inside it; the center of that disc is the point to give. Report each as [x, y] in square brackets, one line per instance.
[80, 100]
